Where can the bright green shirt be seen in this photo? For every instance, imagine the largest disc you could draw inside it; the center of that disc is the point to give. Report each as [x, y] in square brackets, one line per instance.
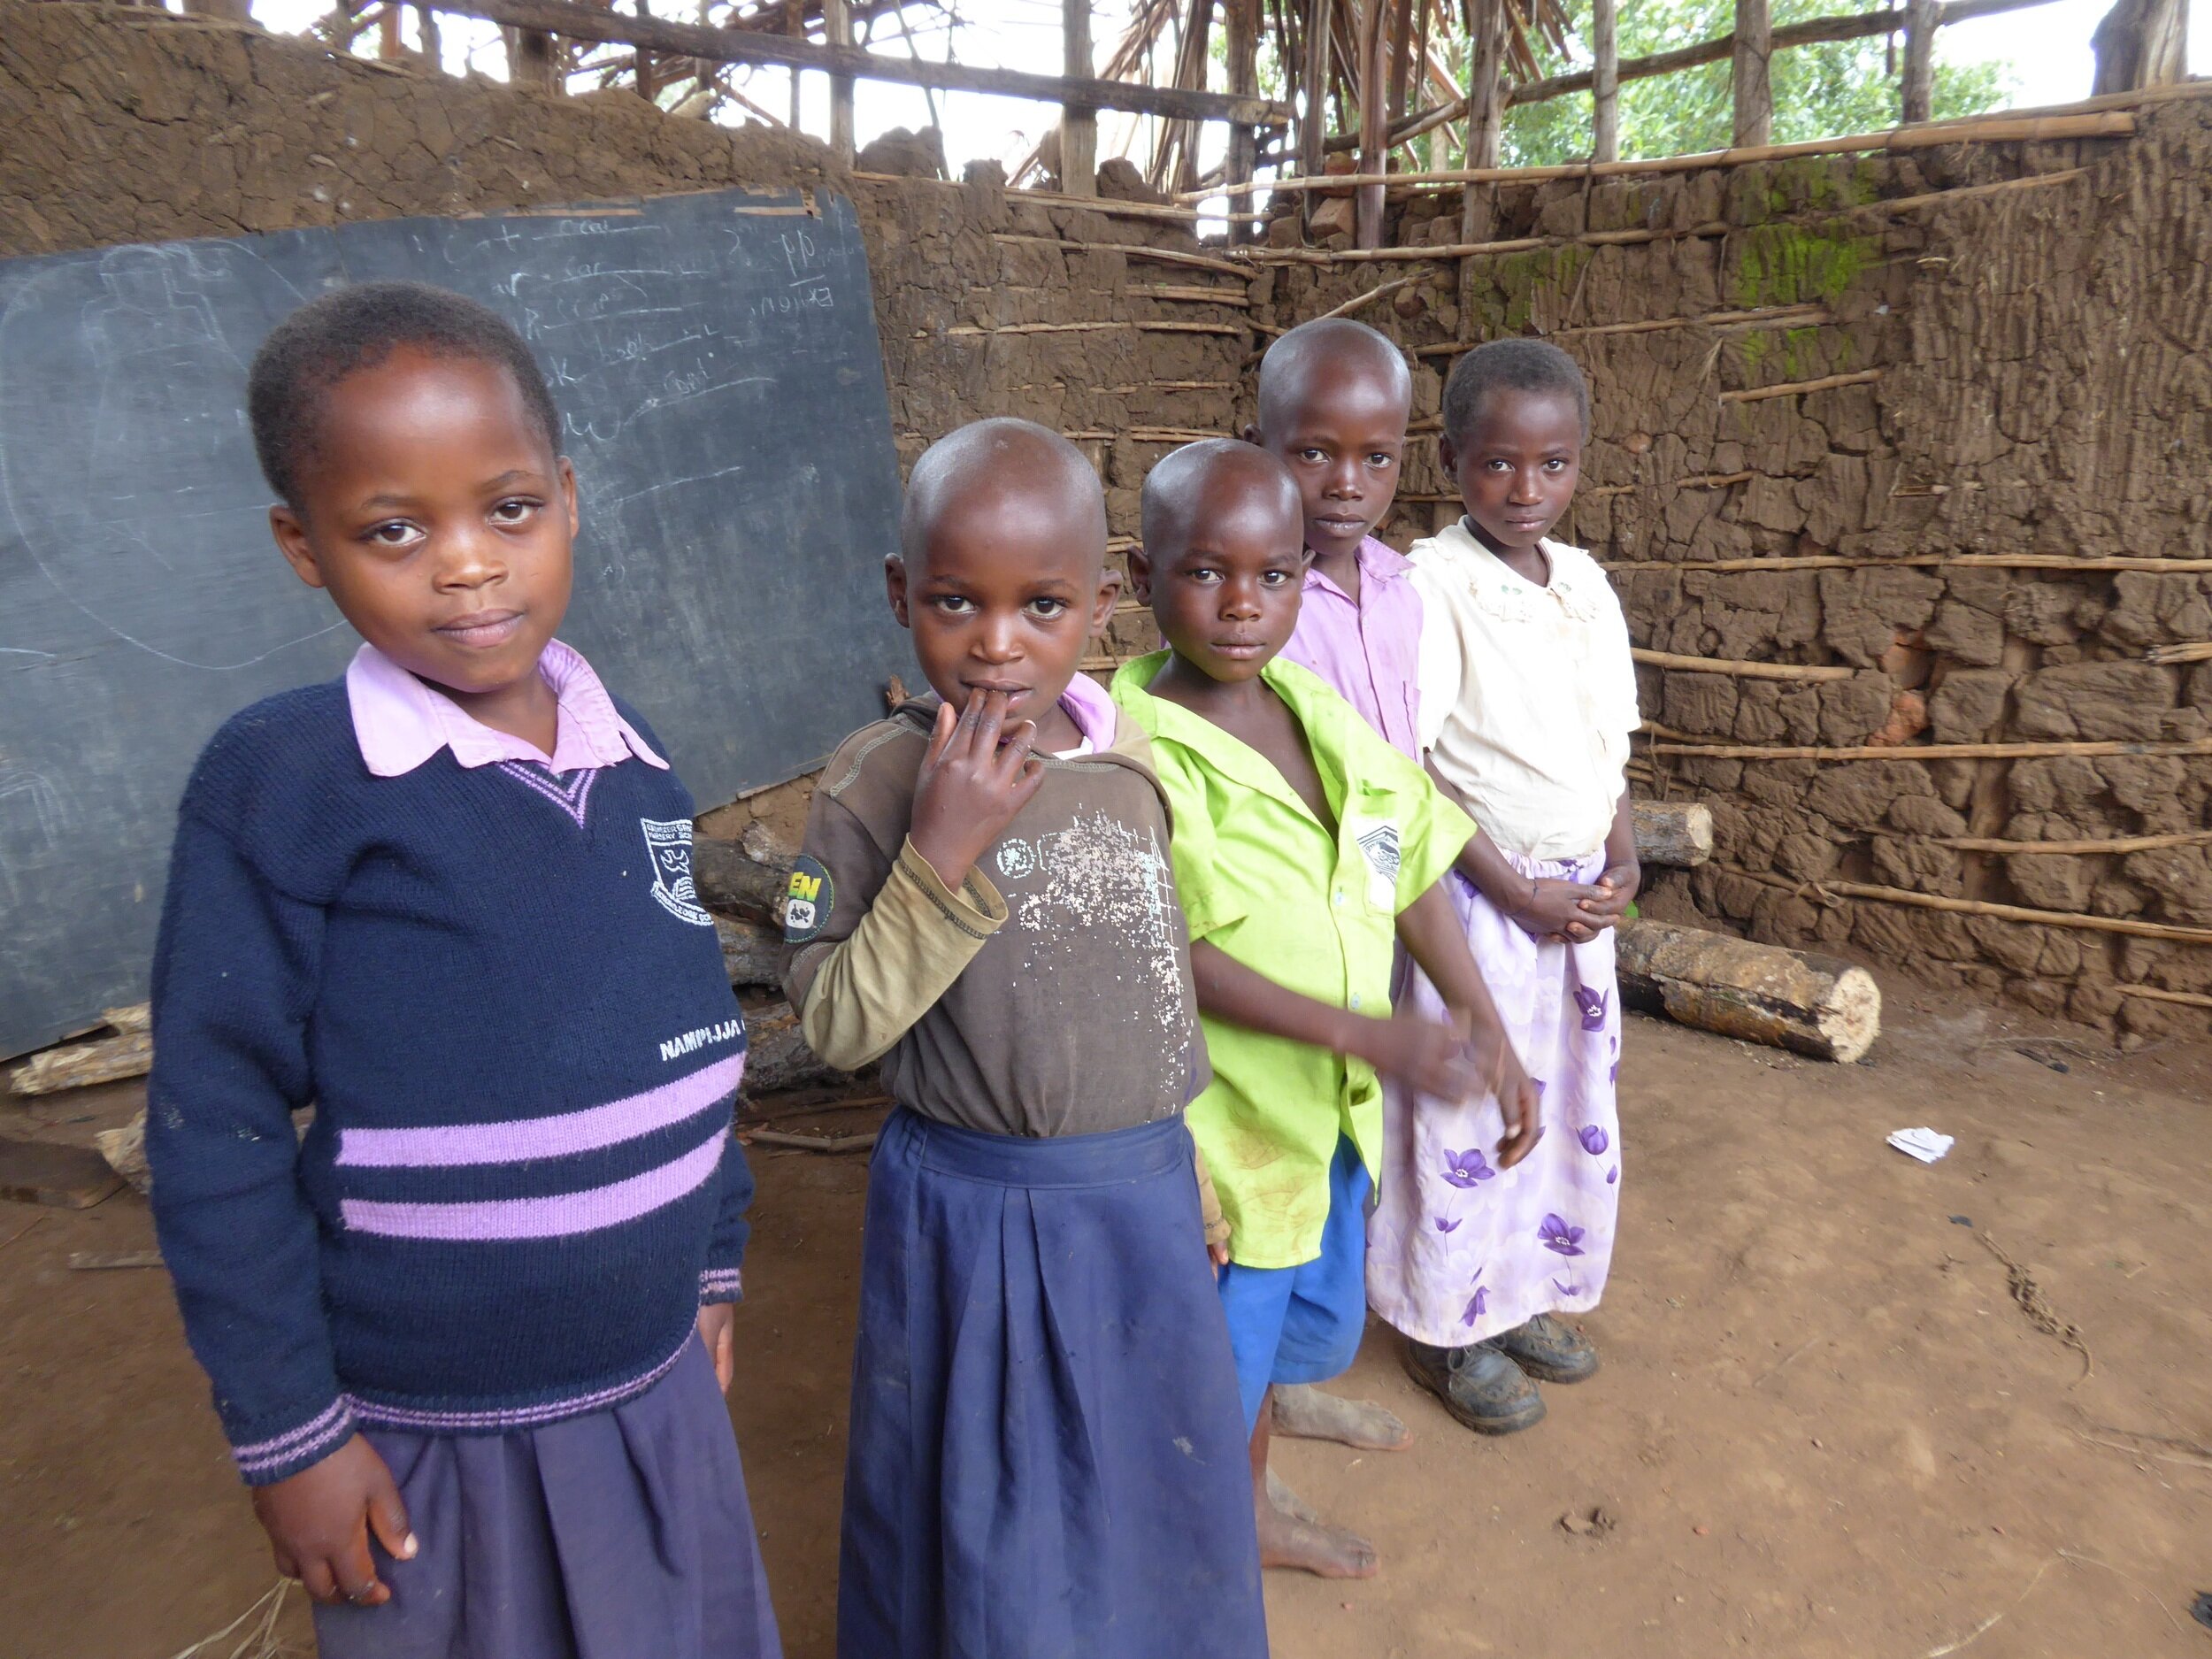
[1315, 911]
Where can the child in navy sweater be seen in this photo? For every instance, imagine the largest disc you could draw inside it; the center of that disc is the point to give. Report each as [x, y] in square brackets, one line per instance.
[465, 1337]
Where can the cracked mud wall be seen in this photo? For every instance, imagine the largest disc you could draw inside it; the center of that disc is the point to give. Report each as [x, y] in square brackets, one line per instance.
[2032, 377]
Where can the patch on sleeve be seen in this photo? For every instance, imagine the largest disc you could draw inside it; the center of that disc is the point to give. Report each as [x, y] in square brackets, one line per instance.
[806, 902]
[1379, 844]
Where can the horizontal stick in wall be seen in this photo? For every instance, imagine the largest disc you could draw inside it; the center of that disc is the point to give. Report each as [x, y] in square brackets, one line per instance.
[1672, 743]
[1133, 250]
[2196, 652]
[1793, 388]
[1741, 669]
[1983, 130]
[1980, 907]
[757, 46]
[2082, 849]
[1195, 296]
[1916, 561]
[2160, 994]
[1760, 317]
[970, 330]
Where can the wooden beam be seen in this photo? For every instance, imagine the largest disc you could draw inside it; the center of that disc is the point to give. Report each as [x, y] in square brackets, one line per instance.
[533, 59]
[1313, 131]
[1917, 90]
[1078, 125]
[1374, 120]
[1485, 93]
[1751, 86]
[1243, 25]
[837, 24]
[1605, 81]
[754, 46]
[2141, 44]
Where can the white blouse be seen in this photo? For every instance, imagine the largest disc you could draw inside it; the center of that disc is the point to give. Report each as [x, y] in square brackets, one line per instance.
[1528, 692]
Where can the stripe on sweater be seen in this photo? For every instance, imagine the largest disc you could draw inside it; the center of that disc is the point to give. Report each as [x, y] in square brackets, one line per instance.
[515, 1417]
[451, 1146]
[332, 1423]
[558, 1216]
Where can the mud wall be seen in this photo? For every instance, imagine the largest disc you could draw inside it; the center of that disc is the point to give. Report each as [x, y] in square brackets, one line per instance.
[119, 125]
[2032, 380]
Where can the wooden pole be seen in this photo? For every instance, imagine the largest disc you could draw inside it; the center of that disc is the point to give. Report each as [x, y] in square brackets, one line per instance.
[647, 83]
[1243, 24]
[2141, 44]
[717, 45]
[794, 26]
[1750, 82]
[1605, 81]
[433, 47]
[1079, 123]
[1917, 92]
[532, 59]
[837, 20]
[1313, 130]
[1374, 120]
[1485, 96]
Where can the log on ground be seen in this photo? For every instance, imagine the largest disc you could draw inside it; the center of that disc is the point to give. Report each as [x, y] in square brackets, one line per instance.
[125, 1150]
[1676, 833]
[81, 1065]
[1809, 1004]
[752, 952]
[731, 880]
[776, 1055]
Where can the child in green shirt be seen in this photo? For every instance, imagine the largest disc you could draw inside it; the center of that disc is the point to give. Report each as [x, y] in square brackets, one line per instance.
[1304, 845]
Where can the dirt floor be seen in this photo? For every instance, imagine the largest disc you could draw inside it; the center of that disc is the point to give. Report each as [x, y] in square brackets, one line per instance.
[1826, 1425]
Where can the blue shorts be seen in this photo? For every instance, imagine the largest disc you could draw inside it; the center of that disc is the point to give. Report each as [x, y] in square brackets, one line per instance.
[1304, 1324]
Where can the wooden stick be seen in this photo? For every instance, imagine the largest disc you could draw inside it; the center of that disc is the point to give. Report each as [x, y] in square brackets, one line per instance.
[1108, 205]
[970, 330]
[1367, 299]
[81, 1066]
[1761, 317]
[1744, 670]
[1201, 295]
[2160, 994]
[1079, 123]
[1791, 388]
[1982, 907]
[1750, 84]
[2166, 655]
[1917, 561]
[809, 1143]
[2029, 181]
[109, 1260]
[1981, 130]
[757, 46]
[1605, 81]
[2116, 844]
[1671, 745]
[1133, 250]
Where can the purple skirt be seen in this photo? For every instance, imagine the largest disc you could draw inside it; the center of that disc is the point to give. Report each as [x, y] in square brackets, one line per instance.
[612, 1535]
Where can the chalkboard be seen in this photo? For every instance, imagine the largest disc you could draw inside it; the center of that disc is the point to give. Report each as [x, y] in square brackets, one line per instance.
[716, 363]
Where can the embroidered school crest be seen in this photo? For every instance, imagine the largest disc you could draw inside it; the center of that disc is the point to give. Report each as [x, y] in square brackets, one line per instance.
[806, 902]
[1379, 844]
[669, 842]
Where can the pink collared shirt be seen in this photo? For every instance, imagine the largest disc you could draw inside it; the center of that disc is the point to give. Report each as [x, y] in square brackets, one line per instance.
[401, 722]
[1093, 711]
[1368, 650]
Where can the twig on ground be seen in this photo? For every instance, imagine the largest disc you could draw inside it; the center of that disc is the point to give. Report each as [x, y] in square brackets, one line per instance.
[1981, 1629]
[2163, 1448]
[2041, 1314]
[260, 1641]
[2091, 1561]
[809, 1143]
[37, 1222]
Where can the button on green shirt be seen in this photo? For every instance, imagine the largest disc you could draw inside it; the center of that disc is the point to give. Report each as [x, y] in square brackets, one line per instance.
[1313, 909]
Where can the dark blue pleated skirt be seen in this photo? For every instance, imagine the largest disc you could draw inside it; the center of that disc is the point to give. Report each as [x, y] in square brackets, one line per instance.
[1048, 1460]
[617, 1534]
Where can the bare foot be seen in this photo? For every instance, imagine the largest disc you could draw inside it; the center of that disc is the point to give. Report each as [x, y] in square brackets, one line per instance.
[1327, 1552]
[1290, 1503]
[1303, 1412]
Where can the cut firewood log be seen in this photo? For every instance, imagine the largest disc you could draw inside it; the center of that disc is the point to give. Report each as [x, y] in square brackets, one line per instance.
[1790, 999]
[751, 951]
[733, 880]
[138, 1016]
[776, 1055]
[81, 1065]
[124, 1150]
[1676, 833]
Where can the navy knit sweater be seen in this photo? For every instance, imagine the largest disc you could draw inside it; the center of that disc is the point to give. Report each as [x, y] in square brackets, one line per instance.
[497, 988]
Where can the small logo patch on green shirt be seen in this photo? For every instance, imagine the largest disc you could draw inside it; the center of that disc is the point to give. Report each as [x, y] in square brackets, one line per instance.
[806, 902]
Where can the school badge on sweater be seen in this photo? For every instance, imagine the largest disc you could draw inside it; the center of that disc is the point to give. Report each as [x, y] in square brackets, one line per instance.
[669, 842]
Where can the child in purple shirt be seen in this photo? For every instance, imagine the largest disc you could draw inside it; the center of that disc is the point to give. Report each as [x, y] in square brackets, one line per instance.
[1334, 396]
[1333, 400]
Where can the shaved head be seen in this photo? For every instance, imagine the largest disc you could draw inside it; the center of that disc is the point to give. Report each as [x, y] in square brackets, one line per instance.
[1004, 470]
[1326, 350]
[1200, 480]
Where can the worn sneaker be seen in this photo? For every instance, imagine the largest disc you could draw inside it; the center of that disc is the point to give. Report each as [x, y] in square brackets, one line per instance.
[1479, 1385]
[1550, 1349]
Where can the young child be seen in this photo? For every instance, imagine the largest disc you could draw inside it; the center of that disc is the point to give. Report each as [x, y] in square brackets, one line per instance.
[1527, 698]
[1045, 1454]
[1334, 396]
[1303, 846]
[469, 1338]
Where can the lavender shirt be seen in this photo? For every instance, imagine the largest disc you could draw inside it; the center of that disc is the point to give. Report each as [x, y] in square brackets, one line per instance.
[1370, 651]
[400, 722]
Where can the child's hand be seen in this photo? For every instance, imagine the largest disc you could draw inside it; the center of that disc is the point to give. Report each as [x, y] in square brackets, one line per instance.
[1607, 903]
[717, 1331]
[1554, 910]
[1517, 1099]
[318, 1523]
[1422, 1054]
[971, 784]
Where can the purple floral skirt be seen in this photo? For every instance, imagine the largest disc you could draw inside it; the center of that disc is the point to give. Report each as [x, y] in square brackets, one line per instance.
[1457, 1250]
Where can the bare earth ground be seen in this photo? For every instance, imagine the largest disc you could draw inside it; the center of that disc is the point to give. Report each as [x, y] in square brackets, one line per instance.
[1825, 1425]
